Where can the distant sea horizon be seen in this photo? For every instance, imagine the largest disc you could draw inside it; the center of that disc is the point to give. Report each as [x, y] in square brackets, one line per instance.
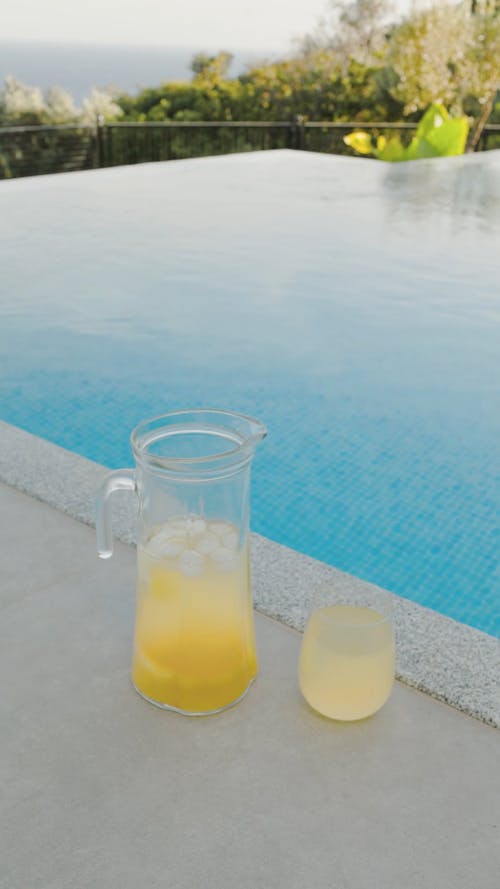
[77, 67]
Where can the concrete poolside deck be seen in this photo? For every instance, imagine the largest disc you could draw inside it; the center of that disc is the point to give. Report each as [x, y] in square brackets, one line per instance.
[101, 789]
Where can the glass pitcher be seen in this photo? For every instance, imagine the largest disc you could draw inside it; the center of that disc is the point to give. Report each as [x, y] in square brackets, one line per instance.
[194, 645]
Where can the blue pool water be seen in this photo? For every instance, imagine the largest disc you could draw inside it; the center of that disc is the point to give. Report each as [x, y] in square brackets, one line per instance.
[352, 306]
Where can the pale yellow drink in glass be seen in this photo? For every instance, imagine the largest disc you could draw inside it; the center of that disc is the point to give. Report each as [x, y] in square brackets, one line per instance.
[193, 649]
[346, 666]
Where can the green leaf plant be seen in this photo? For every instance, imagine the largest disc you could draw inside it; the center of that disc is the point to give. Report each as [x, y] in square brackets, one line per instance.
[437, 135]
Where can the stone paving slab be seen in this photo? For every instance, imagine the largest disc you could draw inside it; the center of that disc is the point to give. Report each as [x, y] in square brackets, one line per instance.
[102, 790]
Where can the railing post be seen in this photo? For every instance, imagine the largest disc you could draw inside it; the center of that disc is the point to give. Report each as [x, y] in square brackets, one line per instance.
[301, 126]
[99, 143]
[297, 133]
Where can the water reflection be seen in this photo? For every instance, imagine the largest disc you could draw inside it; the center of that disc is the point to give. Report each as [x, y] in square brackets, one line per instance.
[461, 190]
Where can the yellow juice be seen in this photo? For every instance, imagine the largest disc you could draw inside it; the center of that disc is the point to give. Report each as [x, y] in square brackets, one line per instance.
[346, 666]
[194, 646]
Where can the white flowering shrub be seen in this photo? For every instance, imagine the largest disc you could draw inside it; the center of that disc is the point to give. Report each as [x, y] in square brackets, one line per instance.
[20, 103]
[446, 54]
[450, 54]
[60, 106]
[99, 106]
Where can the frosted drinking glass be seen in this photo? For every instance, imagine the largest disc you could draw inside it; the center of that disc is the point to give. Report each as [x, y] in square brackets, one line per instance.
[346, 668]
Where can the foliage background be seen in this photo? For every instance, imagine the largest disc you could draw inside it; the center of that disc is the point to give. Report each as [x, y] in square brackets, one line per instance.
[360, 64]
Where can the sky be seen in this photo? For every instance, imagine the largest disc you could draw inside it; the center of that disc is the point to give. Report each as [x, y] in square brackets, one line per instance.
[213, 24]
[246, 24]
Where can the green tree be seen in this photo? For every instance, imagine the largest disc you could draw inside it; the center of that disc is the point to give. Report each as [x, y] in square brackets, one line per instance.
[358, 65]
[351, 29]
[214, 67]
[317, 87]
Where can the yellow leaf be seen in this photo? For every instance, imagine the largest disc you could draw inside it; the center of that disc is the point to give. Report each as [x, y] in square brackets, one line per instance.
[361, 142]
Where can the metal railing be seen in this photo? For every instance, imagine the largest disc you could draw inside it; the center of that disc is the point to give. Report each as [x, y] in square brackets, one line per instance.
[30, 151]
[129, 143]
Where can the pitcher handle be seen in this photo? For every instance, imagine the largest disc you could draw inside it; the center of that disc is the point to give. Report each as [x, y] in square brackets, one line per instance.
[119, 480]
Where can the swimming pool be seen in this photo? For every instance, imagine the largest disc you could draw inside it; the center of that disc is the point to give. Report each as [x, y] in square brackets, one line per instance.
[352, 306]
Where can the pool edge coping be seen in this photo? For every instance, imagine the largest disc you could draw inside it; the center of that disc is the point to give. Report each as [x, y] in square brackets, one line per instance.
[448, 660]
